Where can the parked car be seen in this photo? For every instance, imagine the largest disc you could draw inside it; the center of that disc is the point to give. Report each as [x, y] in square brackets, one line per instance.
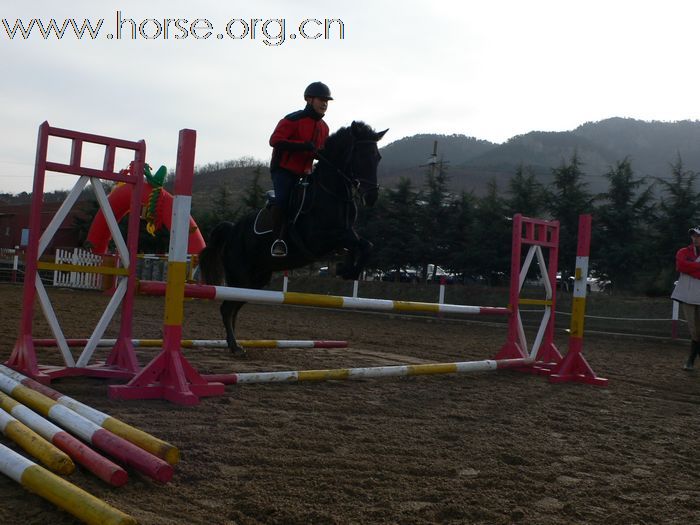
[404, 276]
[594, 283]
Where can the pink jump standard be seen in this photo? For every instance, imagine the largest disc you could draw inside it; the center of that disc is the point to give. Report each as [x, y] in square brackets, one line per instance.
[169, 375]
[574, 366]
[537, 235]
[121, 362]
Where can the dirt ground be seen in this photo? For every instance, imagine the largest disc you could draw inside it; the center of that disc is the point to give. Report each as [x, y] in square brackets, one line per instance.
[486, 448]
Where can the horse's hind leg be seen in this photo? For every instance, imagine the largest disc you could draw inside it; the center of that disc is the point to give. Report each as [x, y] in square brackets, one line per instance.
[229, 311]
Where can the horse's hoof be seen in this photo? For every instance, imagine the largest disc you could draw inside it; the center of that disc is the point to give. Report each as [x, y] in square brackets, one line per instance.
[239, 351]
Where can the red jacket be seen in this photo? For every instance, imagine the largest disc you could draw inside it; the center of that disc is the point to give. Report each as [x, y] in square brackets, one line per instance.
[291, 141]
[686, 261]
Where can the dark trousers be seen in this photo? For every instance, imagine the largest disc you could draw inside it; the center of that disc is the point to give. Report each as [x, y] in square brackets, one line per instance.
[283, 182]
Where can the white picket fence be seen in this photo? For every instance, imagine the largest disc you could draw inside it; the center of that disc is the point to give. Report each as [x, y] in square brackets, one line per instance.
[87, 281]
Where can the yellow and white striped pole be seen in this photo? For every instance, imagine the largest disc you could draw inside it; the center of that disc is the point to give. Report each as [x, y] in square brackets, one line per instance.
[336, 374]
[35, 445]
[147, 442]
[60, 492]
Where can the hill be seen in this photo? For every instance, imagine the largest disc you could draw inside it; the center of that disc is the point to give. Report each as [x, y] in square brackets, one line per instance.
[651, 147]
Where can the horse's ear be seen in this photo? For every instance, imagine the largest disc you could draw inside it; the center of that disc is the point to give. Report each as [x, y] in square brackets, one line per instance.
[381, 134]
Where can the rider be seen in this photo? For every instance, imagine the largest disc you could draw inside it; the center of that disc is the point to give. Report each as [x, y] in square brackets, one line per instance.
[295, 141]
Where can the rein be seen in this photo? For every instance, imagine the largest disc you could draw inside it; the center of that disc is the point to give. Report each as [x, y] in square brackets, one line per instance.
[352, 183]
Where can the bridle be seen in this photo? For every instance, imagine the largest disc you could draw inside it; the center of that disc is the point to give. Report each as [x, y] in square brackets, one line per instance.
[353, 182]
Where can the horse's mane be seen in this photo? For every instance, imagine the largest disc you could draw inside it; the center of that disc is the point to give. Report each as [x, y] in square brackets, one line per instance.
[341, 139]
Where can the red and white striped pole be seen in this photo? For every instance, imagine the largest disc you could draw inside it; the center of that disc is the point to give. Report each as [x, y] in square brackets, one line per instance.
[143, 440]
[100, 466]
[574, 366]
[170, 376]
[117, 447]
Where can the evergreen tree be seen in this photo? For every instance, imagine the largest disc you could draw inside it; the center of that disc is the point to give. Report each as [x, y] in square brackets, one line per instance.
[223, 209]
[398, 245]
[620, 241]
[432, 220]
[254, 196]
[679, 209]
[492, 237]
[527, 194]
[569, 198]
[461, 236]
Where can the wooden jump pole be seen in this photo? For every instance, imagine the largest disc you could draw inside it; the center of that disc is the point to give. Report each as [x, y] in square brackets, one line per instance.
[60, 492]
[227, 293]
[369, 372]
[103, 439]
[208, 343]
[32, 443]
[147, 442]
[103, 468]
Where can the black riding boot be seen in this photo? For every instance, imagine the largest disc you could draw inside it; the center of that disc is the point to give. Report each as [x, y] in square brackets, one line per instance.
[279, 247]
[694, 350]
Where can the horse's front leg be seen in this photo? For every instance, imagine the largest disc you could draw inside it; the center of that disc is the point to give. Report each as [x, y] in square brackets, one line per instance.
[229, 312]
[359, 250]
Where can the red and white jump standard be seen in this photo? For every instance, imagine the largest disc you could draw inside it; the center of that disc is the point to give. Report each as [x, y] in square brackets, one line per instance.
[169, 375]
[121, 362]
[574, 366]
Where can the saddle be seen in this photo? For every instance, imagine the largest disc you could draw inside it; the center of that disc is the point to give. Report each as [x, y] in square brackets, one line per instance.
[299, 202]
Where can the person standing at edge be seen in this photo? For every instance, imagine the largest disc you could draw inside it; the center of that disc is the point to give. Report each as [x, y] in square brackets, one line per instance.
[295, 141]
[687, 291]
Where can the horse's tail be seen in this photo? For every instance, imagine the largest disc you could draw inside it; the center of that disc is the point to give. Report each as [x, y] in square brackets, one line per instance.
[211, 265]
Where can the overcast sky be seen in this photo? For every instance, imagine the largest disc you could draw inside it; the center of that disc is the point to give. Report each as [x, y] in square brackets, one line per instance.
[489, 69]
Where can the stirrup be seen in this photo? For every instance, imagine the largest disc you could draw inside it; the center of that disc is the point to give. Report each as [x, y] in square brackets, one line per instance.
[278, 248]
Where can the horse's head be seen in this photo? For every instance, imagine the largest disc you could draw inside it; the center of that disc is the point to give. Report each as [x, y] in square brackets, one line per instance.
[365, 160]
[353, 152]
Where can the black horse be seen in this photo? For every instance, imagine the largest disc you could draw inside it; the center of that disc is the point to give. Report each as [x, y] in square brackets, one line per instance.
[322, 215]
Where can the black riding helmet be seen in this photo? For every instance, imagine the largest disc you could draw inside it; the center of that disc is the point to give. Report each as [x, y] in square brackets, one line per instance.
[318, 90]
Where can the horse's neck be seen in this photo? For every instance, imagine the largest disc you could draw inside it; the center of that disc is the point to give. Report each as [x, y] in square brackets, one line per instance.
[332, 196]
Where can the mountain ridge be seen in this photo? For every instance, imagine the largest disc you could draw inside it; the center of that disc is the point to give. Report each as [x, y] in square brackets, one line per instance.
[651, 146]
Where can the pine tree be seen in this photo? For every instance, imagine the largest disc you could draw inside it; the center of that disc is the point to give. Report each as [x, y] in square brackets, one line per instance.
[569, 198]
[492, 235]
[679, 209]
[254, 195]
[461, 235]
[620, 242]
[432, 219]
[398, 245]
[528, 196]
